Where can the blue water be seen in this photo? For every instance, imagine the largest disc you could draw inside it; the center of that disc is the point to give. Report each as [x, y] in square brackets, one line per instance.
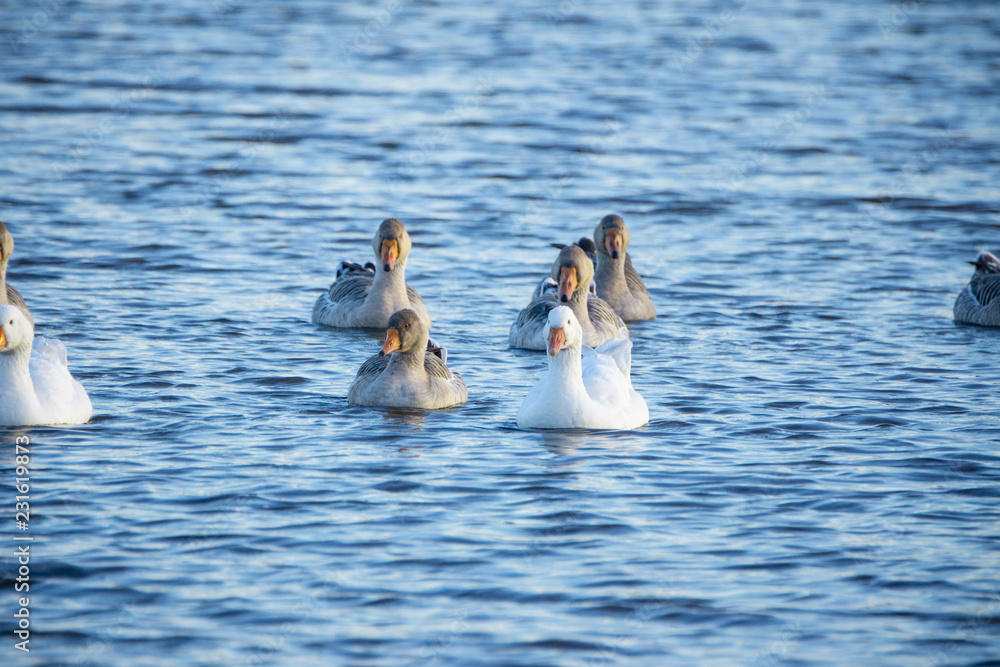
[804, 182]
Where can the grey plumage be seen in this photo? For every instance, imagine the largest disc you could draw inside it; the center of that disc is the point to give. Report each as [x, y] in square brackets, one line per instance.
[365, 296]
[410, 372]
[979, 302]
[597, 319]
[9, 295]
[615, 279]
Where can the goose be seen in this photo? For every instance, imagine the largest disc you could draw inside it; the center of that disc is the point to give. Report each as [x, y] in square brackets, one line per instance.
[583, 388]
[617, 281]
[408, 372]
[364, 296]
[9, 295]
[979, 302]
[35, 384]
[573, 272]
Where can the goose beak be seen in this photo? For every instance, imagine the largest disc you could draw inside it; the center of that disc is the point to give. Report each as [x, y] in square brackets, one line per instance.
[3, 340]
[391, 342]
[613, 243]
[567, 283]
[390, 253]
[557, 338]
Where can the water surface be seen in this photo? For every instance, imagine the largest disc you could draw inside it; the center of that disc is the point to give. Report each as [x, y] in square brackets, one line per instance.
[818, 482]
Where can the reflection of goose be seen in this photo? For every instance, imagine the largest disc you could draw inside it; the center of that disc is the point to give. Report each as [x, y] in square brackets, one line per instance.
[407, 373]
[979, 302]
[366, 296]
[7, 293]
[573, 272]
[35, 384]
[583, 388]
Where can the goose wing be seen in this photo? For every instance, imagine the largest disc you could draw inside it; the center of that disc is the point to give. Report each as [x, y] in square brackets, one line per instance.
[436, 368]
[604, 317]
[986, 289]
[526, 331]
[632, 278]
[351, 286]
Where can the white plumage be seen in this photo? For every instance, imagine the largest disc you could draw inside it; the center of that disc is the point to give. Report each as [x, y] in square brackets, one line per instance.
[583, 388]
[35, 383]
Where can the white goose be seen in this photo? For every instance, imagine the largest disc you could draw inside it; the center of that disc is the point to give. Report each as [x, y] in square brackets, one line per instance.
[583, 388]
[35, 384]
[979, 302]
[573, 272]
[9, 295]
[407, 373]
[363, 297]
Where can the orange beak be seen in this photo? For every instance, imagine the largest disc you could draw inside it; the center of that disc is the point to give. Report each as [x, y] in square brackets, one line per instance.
[391, 342]
[390, 253]
[3, 339]
[557, 338]
[613, 243]
[567, 283]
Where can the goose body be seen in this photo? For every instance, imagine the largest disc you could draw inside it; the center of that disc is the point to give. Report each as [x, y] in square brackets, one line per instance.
[572, 272]
[583, 387]
[9, 295]
[407, 373]
[979, 302]
[367, 296]
[35, 383]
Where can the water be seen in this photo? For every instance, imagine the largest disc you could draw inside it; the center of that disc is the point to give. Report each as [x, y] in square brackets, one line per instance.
[803, 181]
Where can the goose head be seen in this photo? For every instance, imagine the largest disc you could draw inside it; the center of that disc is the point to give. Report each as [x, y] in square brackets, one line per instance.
[6, 243]
[986, 263]
[573, 270]
[406, 333]
[15, 331]
[391, 244]
[564, 331]
[611, 236]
